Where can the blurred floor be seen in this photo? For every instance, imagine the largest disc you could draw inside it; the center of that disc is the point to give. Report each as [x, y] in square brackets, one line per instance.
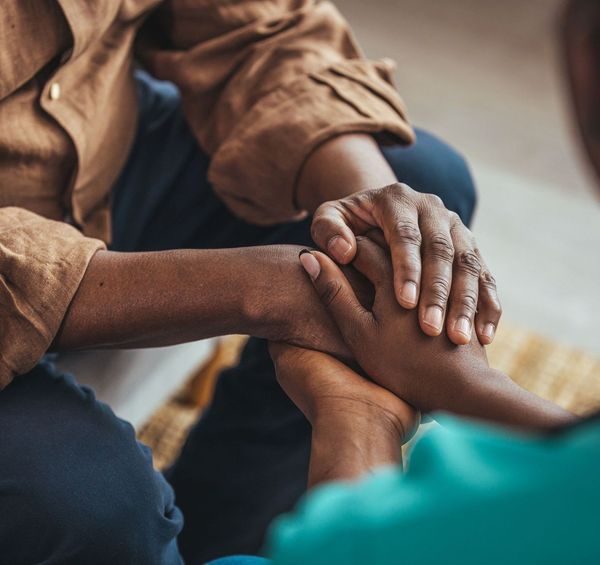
[486, 76]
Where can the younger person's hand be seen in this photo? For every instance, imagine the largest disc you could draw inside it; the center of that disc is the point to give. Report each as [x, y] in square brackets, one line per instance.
[326, 390]
[431, 373]
[357, 426]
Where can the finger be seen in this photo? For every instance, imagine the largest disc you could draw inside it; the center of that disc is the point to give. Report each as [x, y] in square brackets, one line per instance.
[337, 295]
[331, 231]
[489, 310]
[375, 264]
[399, 220]
[437, 256]
[373, 261]
[465, 285]
[377, 236]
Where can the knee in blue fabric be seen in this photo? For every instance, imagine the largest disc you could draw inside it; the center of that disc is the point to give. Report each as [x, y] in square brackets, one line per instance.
[75, 486]
[433, 166]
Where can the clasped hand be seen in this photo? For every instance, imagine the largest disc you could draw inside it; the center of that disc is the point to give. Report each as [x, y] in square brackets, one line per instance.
[435, 260]
[429, 373]
[426, 272]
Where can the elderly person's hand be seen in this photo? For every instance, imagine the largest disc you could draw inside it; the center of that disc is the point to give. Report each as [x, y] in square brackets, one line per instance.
[436, 262]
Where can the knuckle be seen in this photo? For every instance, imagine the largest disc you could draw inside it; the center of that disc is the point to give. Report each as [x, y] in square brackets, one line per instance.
[346, 207]
[410, 267]
[315, 230]
[495, 309]
[323, 210]
[455, 219]
[397, 194]
[398, 188]
[330, 291]
[433, 200]
[404, 190]
[439, 288]
[468, 262]
[487, 280]
[319, 225]
[440, 246]
[468, 302]
[407, 233]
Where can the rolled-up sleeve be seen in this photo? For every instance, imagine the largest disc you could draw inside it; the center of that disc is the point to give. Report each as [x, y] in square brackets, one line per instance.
[263, 84]
[42, 263]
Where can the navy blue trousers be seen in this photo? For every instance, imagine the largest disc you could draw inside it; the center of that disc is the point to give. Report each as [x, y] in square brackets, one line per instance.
[75, 486]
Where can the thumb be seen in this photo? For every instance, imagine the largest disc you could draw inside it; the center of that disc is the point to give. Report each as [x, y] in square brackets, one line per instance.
[331, 233]
[337, 296]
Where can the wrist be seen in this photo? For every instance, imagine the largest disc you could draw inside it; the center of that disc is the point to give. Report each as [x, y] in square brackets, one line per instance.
[494, 396]
[340, 418]
[272, 273]
[279, 302]
[346, 449]
[339, 167]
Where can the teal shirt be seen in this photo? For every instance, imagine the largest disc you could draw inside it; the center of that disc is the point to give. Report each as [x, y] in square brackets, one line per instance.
[472, 494]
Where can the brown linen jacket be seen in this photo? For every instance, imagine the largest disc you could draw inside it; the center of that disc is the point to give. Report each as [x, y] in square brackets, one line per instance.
[263, 82]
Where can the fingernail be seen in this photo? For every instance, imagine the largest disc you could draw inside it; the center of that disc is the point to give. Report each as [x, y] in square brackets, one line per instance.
[489, 330]
[339, 247]
[463, 326]
[310, 264]
[409, 292]
[433, 317]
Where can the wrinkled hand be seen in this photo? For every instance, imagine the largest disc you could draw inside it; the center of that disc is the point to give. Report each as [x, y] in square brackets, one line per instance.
[293, 312]
[431, 373]
[324, 388]
[436, 262]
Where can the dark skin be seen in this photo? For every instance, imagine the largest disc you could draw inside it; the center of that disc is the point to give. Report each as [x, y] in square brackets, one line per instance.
[153, 299]
[162, 298]
[134, 300]
[436, 262]
[360, 424]
[430, 373]
[357, 425]
[581, 42]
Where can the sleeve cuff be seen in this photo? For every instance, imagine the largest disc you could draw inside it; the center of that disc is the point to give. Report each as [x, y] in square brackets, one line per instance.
[256, 169]
[42, 263]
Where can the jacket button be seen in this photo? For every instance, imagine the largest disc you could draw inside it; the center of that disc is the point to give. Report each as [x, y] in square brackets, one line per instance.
[54, 91]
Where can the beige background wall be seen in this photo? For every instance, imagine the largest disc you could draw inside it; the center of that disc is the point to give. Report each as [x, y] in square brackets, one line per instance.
[486, 75]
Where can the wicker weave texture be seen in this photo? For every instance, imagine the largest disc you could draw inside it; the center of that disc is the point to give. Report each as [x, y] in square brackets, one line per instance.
[569, 377]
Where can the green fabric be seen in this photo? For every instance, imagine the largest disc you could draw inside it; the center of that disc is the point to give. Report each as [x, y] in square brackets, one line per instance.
[472, 494]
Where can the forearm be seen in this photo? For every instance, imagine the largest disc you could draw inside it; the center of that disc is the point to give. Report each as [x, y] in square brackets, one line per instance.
[349, 450]
[162, 298]
[340, 167]
[492, 395]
